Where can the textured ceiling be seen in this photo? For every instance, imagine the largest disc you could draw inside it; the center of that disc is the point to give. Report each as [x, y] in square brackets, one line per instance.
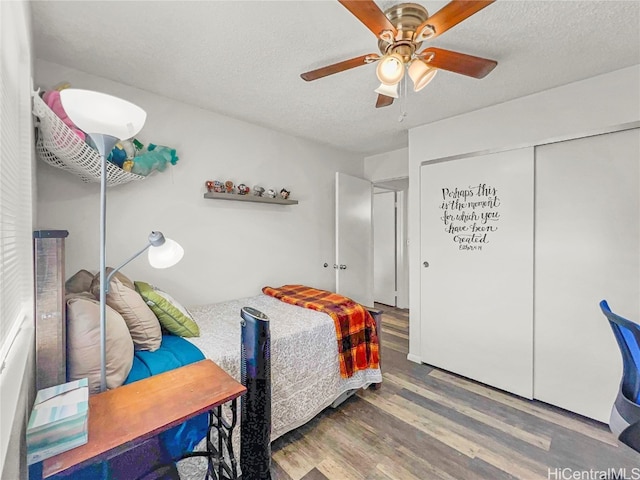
[243, 58]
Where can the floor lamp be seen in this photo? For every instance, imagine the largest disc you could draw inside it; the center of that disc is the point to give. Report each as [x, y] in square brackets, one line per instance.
[106, 120]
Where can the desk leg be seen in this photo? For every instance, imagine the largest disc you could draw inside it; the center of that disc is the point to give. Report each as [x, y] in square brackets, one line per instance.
[217, 466]
[225, 441]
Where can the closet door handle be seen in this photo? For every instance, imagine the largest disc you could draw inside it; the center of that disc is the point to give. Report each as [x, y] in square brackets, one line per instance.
[343, 267]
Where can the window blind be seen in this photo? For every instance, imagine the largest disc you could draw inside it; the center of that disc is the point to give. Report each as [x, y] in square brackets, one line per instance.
[16, 263]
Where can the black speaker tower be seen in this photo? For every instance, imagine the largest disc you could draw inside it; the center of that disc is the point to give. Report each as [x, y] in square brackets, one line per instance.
[255, 425]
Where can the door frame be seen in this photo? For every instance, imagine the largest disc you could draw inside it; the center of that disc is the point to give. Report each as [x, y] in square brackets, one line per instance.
[384, 191]
[400, 185]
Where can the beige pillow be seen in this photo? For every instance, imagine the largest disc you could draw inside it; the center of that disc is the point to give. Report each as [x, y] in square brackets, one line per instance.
[83, 343]
[143, 324]
[95, 281]
[80, 282]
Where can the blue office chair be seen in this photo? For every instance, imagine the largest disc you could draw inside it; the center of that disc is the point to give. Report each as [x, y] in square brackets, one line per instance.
[625, 414]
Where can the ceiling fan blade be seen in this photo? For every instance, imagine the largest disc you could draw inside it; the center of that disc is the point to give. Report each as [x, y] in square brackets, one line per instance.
[456, 62]
[383, 101]
[371, 16]
[339, 67]
[450, 15]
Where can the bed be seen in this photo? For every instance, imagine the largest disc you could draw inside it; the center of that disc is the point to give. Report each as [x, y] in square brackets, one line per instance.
[304, 356]
[305, 375]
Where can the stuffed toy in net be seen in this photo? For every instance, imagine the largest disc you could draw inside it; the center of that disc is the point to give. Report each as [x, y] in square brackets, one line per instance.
[156, 157]
[52, 99]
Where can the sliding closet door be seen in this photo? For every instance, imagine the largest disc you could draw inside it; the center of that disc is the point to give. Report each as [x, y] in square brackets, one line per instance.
[587, 243]
[477, 268]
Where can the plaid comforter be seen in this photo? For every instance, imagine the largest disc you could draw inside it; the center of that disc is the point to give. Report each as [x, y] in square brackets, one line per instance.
[358, 347]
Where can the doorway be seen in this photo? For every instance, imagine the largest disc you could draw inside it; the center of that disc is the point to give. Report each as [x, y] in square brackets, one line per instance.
[390, 267]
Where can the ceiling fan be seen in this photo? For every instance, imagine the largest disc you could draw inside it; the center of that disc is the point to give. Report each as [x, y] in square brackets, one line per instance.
[401, 29]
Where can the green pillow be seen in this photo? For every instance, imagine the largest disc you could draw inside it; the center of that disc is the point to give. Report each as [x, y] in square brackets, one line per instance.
[172, 316]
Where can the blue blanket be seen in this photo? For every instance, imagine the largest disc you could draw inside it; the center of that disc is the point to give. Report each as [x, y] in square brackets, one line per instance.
[174, 352]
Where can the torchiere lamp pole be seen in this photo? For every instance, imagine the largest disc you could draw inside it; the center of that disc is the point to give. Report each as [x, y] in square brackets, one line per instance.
[105, 119]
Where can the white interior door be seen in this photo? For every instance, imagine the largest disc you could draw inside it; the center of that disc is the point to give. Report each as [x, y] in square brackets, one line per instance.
[384, 248]
[477, 290]
[587, 249]
[354, 238]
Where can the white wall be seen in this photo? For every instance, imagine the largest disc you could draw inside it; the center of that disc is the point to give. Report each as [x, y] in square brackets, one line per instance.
[232, 249]
[387, 166]
[587, 106]
[17, 373]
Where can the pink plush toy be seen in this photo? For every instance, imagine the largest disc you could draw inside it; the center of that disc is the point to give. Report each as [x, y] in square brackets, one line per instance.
[52, 99]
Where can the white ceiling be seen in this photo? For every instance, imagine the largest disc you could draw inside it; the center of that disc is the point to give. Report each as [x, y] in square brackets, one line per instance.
[244, 58]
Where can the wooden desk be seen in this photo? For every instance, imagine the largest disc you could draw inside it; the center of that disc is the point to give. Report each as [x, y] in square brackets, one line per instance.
[125, 417]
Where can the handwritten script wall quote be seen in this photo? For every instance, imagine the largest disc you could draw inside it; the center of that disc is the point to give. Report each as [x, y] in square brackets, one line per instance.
[470, 215]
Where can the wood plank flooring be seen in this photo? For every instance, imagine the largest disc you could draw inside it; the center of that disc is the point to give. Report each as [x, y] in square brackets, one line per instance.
[425, 423]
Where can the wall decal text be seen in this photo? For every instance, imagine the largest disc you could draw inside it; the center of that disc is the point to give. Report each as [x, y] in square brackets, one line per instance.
[470, 214]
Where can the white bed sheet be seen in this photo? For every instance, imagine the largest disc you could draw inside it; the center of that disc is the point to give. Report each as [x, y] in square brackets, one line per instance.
[305, 374]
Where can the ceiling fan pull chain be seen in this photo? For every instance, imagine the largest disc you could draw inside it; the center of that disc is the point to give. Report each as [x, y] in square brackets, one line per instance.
[403, 102]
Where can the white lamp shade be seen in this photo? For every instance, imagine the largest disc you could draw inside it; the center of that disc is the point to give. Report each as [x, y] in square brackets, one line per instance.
[390, 69]
[388, 90]
[166, 255]
[95, 112]
[421, 74]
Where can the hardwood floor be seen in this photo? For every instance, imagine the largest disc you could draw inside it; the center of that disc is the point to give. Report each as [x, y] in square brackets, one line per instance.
[425, 423]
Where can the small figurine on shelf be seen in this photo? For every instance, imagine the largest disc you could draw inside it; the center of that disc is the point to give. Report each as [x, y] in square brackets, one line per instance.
[209, 185]
[284, 193]
[228, 185]
[271, 193]
[243, 189]
[258, 191]
[218, 186]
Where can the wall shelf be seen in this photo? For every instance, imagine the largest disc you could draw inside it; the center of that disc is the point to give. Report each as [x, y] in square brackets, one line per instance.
[248, 198]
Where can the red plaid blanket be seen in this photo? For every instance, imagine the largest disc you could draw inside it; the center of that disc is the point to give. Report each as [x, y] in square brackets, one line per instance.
[358, 347]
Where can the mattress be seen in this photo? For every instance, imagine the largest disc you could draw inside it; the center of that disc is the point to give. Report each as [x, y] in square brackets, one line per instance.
[305, 374]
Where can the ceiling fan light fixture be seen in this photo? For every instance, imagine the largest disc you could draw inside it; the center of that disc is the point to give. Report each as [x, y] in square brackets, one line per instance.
[424, 34]
[390, 69]
[388, 90]
[421, 74]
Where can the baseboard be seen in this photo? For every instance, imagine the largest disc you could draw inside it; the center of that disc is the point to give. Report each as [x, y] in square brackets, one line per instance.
[413, 358]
